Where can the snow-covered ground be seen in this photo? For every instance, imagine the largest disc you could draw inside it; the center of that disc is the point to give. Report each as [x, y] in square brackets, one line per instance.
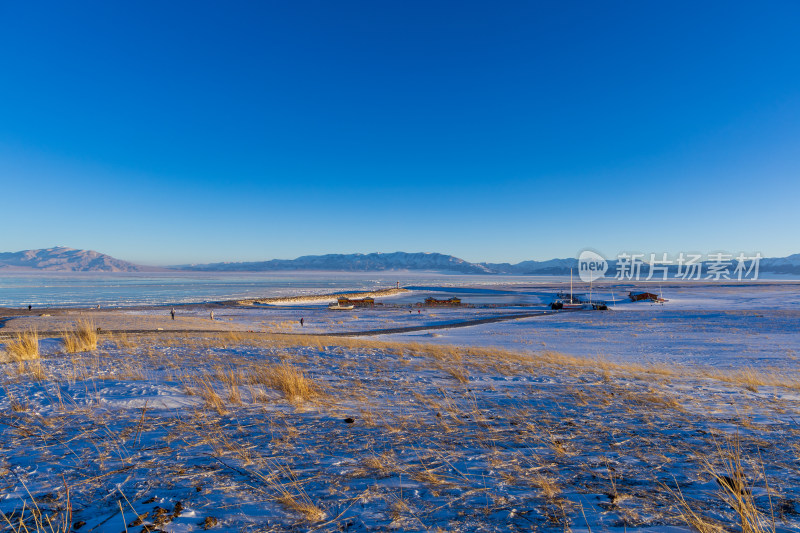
[724, 339]
[319, 319]
[639, 419]
[717, 326]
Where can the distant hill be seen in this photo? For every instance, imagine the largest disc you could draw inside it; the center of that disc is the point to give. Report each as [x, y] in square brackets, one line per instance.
[66, 260]
[355, 263]
[781, 265]
[552, 267]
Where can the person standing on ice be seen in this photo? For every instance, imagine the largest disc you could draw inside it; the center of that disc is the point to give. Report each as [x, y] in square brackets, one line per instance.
[301, 322]
[212, 314]
[172, 313]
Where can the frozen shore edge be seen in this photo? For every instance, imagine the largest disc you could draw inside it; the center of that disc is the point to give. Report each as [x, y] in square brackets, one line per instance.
[321, 298]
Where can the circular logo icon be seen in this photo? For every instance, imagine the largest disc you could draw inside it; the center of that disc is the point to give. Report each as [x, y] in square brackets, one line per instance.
[591, 266]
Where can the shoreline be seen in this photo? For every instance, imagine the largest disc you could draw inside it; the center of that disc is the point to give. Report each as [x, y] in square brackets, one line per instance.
[320, 298]
[54, 304]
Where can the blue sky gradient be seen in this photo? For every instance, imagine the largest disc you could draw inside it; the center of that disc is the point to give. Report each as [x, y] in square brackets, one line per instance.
[174, 132]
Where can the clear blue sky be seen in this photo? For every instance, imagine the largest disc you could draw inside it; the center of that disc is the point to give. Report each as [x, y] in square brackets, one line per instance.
[171, 132]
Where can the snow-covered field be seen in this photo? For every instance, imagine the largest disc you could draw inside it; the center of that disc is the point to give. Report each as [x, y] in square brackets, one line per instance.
[649, 418]
[320, 320]
[723, 339]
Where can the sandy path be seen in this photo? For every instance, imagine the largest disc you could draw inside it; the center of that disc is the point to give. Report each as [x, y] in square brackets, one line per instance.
[115, 321]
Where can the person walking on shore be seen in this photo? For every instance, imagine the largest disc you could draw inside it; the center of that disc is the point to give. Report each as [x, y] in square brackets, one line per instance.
[172, 313]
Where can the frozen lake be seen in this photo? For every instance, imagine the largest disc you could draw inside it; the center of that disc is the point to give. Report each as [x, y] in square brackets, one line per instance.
[87, 289]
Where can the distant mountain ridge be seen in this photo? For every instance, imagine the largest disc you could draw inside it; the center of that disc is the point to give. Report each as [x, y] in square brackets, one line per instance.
[789, 265]
[70, 259]
[64, 259]
[355, 263]
[448, 263]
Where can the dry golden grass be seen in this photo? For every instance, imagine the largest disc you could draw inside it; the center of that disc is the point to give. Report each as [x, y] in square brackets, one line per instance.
[16, 405]
[428, 427]
[727, 469]
[124, 341]
[458, 361]
[288, 379]
[306, 509]
[734, 488]
[84, 339]
[32, 519]
[24, 347]
[751, 379]
[507, 361]
[546, 484]
[695, 520]
[204, 388]
[289, 494]
[234, 336]
[34, 369]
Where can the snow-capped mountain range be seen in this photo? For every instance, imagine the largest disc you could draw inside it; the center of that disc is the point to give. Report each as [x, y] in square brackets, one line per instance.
[65, 259]
[70, 259]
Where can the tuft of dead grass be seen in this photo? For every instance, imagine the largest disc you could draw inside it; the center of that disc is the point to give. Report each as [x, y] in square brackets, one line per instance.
[306, 509]
[289, 380]
[123, 341]
[546, 484]
[751, 379]
[24, 347]
[734, 489]
[727, 468]
[204, 388]
[83, 339]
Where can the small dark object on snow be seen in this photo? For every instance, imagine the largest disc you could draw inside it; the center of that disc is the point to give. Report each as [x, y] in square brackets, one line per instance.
[209, 522]
[139, 520]
[349, 420]
[733, 484]
[787, 506]
[79, 524]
